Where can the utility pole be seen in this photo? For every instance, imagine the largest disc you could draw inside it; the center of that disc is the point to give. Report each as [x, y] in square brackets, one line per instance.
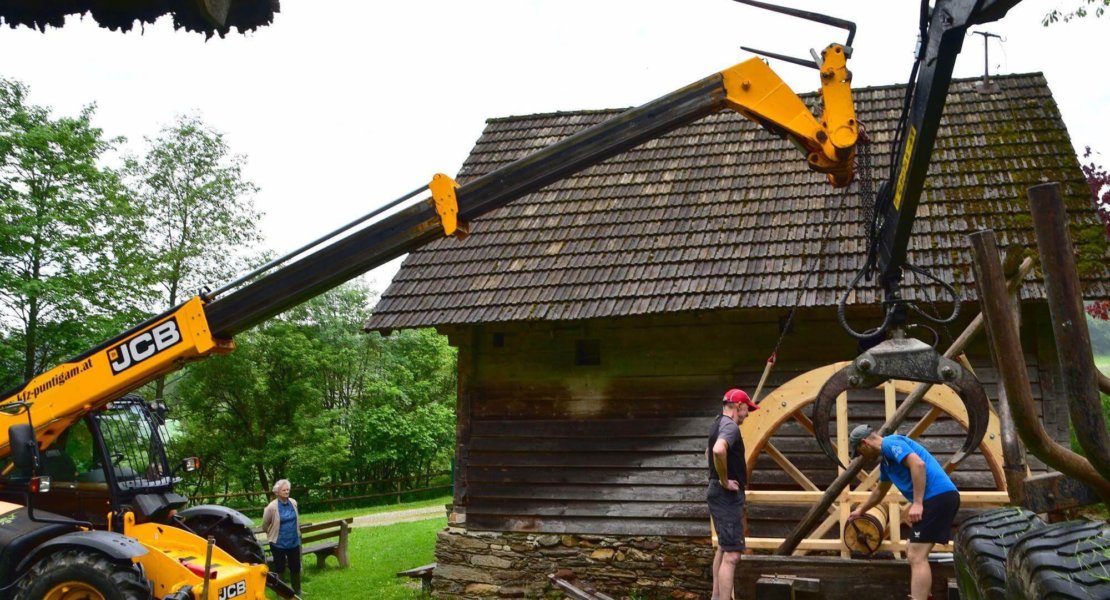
[986, 86]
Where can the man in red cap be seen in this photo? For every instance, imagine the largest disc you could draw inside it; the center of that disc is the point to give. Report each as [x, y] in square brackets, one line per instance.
[727, 476]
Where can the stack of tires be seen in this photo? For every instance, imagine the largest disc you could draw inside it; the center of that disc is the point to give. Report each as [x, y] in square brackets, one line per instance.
[1011, 554]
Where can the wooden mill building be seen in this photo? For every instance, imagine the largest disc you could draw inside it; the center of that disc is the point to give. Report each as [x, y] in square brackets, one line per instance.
[599, 321]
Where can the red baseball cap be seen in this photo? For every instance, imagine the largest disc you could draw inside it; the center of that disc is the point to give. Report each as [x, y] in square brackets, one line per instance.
[738, 396]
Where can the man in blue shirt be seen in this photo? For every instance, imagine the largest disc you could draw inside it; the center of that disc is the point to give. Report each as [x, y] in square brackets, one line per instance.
[933, 497]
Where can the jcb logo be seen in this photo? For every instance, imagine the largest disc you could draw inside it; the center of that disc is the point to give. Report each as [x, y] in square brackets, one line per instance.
[233, 590]
[143, 346]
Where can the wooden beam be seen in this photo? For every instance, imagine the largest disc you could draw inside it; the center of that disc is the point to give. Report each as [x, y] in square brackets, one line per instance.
[967, 498]
[794, 472]
[831, 545]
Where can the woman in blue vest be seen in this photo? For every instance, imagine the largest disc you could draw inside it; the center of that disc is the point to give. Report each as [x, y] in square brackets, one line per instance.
[281, 521]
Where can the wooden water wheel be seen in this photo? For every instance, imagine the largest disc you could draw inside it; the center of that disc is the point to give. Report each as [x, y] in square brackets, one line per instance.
[787, 407]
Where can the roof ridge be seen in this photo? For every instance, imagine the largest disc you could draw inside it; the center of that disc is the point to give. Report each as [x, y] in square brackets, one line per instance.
[875, 88]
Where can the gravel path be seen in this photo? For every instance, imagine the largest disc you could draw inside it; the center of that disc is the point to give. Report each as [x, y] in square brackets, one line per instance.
[399, 516]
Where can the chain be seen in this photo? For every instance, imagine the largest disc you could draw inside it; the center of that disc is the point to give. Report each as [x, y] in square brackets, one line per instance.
[865, 173]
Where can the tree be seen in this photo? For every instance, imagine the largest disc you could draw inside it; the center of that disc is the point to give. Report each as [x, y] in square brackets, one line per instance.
[197, 208]
[310, 397]
[68, 236]
[1098, 179]
[1081, 11]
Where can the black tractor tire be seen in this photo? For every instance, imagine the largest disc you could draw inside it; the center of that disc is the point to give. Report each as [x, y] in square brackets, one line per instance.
[68, 573]
[235, 539]
[1063, 561]
[980, 549]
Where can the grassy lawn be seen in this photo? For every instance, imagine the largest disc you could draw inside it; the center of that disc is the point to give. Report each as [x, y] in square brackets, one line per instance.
[376, 554]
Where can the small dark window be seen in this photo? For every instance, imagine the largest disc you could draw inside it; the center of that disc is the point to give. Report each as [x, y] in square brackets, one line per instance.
[498, 340]
[587, 352]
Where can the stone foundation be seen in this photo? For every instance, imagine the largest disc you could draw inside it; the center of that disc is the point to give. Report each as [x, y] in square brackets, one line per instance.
[479, 564]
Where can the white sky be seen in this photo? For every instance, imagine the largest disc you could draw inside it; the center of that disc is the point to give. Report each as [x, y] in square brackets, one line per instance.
[343, 105]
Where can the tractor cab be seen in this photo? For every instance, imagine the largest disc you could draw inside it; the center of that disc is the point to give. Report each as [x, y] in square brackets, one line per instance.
[110, 462]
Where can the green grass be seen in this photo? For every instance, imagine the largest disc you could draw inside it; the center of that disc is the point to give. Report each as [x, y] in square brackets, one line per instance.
[377, 554]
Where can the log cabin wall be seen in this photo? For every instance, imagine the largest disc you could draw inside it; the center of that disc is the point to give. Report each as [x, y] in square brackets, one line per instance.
[599, 427]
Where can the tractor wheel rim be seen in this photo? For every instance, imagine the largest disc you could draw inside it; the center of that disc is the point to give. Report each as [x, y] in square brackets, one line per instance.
[73, 590]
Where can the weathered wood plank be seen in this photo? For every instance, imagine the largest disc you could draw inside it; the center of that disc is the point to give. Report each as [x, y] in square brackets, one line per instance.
[624, 510]
[589, 475]
[840, 578]
[488, 444]
[599, 526]
[589, 492]
[550, 428]
[628, 460]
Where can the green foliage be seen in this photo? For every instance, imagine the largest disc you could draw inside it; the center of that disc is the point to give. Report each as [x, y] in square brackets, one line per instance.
[1095, 8]
[69, 266]
[311, 398]
[196, 206]
[1105, 418]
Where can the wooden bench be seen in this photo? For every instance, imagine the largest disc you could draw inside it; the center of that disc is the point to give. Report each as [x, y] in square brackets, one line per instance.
[424, 574]
[325, 539]
[318, 539]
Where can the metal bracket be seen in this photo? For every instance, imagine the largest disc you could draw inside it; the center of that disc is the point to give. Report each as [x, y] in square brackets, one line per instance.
[447, 206]
[901, 358]
[907, 359]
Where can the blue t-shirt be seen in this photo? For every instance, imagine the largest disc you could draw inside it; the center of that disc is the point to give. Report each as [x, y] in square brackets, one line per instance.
[289, 536]
[895, 450]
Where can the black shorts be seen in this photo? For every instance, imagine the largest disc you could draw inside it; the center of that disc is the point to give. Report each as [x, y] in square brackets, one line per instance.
[726, 508]
[935, 526]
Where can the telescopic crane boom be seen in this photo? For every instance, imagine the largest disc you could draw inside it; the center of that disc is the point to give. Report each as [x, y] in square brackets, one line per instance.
[206, 325]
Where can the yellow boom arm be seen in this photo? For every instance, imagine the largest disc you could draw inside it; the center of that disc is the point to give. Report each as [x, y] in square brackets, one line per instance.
[205, 326]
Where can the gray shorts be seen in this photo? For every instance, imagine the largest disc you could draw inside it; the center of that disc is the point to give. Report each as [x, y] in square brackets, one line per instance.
[727, 509]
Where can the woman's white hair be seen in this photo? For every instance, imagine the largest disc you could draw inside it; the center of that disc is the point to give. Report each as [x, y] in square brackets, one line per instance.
[281, 482]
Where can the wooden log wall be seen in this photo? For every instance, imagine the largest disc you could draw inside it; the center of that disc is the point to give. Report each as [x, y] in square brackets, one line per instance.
[600, 427]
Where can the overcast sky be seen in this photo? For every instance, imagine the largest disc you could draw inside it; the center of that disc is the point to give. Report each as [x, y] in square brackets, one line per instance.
[343, 105]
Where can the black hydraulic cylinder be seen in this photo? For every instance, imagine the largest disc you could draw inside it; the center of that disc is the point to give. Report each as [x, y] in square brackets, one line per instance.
[947, 28]
[419, 224]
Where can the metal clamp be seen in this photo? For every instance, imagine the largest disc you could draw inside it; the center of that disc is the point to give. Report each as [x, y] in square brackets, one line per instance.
[911, 360]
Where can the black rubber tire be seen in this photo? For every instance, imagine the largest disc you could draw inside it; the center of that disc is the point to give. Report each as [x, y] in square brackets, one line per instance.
[235, 539]
[1063, 561]
[980, 549]
[114, 580]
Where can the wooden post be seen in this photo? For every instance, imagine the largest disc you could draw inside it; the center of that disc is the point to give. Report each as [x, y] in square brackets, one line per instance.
[842, 453]
[468, 345]
[344, 528]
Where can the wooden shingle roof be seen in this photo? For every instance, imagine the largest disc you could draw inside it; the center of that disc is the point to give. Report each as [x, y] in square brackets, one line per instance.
[722, 215]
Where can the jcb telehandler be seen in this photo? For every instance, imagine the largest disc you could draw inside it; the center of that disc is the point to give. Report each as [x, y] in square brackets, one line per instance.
[87, 501]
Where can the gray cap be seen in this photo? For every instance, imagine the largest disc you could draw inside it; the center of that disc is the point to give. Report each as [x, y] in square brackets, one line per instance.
[858, 434]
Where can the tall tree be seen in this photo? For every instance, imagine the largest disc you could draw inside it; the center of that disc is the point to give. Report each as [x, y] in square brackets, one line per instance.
[198, 209]
[68, 236]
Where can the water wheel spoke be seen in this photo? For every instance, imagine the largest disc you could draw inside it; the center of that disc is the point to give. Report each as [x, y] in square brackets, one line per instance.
[790, 468]
[790, 403]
